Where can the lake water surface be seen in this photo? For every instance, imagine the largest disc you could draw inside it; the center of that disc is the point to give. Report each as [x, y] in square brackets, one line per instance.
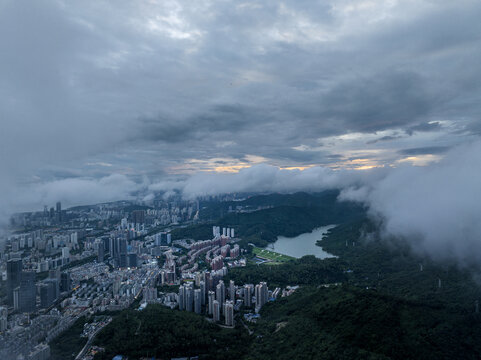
[304, 244]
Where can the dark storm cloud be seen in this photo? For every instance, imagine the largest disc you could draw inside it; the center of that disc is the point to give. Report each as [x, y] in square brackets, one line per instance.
[220, 118]
[473, 128]
[377, 93]
[382, 101]
[374, 94]
[384, 138]
[166, 130]
[424, 127]
[334, 156]
[433, 150]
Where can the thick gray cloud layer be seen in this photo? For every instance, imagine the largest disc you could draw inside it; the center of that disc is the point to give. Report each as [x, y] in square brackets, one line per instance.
[95, 91]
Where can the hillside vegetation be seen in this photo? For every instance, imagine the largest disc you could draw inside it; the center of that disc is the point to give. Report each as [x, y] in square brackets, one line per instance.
[289, 215]
[351, 323]
[386, 308]
[376, 300]
[164, 334]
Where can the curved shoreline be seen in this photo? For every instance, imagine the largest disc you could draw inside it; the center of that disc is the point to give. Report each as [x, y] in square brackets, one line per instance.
[303, 244]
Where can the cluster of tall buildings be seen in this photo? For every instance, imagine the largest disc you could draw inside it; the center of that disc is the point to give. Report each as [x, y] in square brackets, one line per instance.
[226, 232]
[261, 294]
[25, 295]
[164, 213]
[32, 263]
[22, 288]
[38, 240]
[149, 294]
[54, 214]
[162, 239]
[218, 300]
[49, 292]
[202, 300]
[190, 299]
[41, 250]
[118, 249]
[221, 302]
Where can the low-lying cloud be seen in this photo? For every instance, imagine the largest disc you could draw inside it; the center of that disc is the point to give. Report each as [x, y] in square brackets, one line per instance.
[266, 178]
[71, 192]
[436, 208]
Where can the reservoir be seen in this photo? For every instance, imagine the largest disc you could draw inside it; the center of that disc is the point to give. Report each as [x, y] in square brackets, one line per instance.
[304, 244]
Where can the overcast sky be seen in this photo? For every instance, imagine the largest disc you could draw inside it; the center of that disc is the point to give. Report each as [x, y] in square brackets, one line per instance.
[100, 97]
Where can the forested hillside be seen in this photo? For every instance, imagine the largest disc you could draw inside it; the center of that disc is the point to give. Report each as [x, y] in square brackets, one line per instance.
[392, 305]
[376, 300]
[286, 215]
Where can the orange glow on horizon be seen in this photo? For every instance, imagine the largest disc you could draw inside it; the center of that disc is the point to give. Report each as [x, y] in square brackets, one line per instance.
[420, 160]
